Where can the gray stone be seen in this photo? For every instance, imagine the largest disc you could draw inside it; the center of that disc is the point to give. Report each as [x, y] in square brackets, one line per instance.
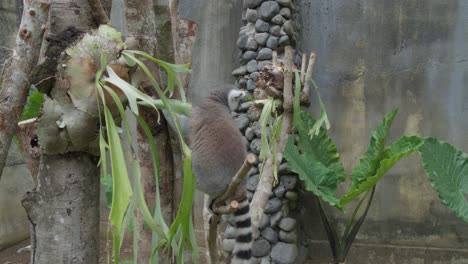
[245, 106]
[248, 56]
[251, 15]
[288, 28]
[279, 191]
[262, 64]
[272, 42]
[242, 70]
[284, 168]
[252, 3]
[287, 224]
[264, 221]
[284, 253]
[278, 20]
[273, 206]
[275, 31]
[252, 182]
[228, 244]
[251, 85]
[262, 26]
[289, 181]
[270, 235]
[265, 54]
[255, 146]
[275, 218]
[246, 143]
[242, 41]
[258, 130]
[289, 237]
[252, 66]
[242, 121]
[265, 260]
[251, 44]
[253, 114]
[242, 83]
[287, 3]
[285, 12]
[268, 9]
[254, 76]
[253, 170]
[292, 196]
[261, 38]
[230, 232]
[249, 195]
[260, 248]
[284, 41]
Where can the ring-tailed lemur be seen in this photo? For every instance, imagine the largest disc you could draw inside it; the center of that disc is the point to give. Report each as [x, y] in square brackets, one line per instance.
[218, 152]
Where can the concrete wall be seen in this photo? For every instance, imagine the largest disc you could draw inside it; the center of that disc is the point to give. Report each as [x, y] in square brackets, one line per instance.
[16, 181]
[10, 12]
[373, 56]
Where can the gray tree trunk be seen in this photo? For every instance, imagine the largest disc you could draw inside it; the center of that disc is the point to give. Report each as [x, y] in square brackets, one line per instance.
[64, 210]
[64, 207]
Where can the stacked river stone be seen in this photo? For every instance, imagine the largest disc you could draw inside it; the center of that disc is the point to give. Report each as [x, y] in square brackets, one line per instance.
[268, 27]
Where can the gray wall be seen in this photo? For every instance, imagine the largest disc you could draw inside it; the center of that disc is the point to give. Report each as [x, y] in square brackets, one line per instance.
[10, 12]
[16, 181]
[373, 56]
[16, 178]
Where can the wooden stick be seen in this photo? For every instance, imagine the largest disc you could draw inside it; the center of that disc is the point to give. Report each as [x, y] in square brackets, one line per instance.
[265, 186]
[303, 67]
[219, 208]
[275, 58]
[305, 95]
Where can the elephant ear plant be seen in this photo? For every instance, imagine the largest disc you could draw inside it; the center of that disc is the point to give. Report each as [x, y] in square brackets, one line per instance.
[315, 159]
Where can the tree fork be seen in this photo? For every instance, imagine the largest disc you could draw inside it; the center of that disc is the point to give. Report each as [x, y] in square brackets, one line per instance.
[15, 80]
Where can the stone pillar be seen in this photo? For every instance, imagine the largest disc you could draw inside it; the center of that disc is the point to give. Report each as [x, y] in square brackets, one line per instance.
[269, 26]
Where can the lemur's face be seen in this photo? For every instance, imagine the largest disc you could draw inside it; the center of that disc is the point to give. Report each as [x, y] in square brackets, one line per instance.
[234, 98]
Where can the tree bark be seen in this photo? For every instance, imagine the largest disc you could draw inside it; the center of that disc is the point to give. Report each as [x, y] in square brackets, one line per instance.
[64, 210]
[64, 207]
[15, 80]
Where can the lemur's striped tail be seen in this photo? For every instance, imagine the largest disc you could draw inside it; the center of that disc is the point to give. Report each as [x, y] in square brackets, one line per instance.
[243, 245]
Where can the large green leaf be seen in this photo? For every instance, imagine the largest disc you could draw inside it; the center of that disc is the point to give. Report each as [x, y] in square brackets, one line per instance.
[122, 190]
[33, 104]
[447, 168]
[399, 149]
[316, 161]
[371, 159]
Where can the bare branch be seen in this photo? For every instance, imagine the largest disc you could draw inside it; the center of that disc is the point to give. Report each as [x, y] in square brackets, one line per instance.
[99, 14]
[236, 180]
[303, 66]
[219, 208]
[265, 186]
[15, 80]
[275, 58]
[305, 95]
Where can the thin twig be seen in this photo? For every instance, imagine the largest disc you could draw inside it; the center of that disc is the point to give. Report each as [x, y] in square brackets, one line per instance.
[15, 79]
[274, 60]
[305, 95]
[303, 67]
[219, 208]
[265, 186]
[99, 14]
[236, 180]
